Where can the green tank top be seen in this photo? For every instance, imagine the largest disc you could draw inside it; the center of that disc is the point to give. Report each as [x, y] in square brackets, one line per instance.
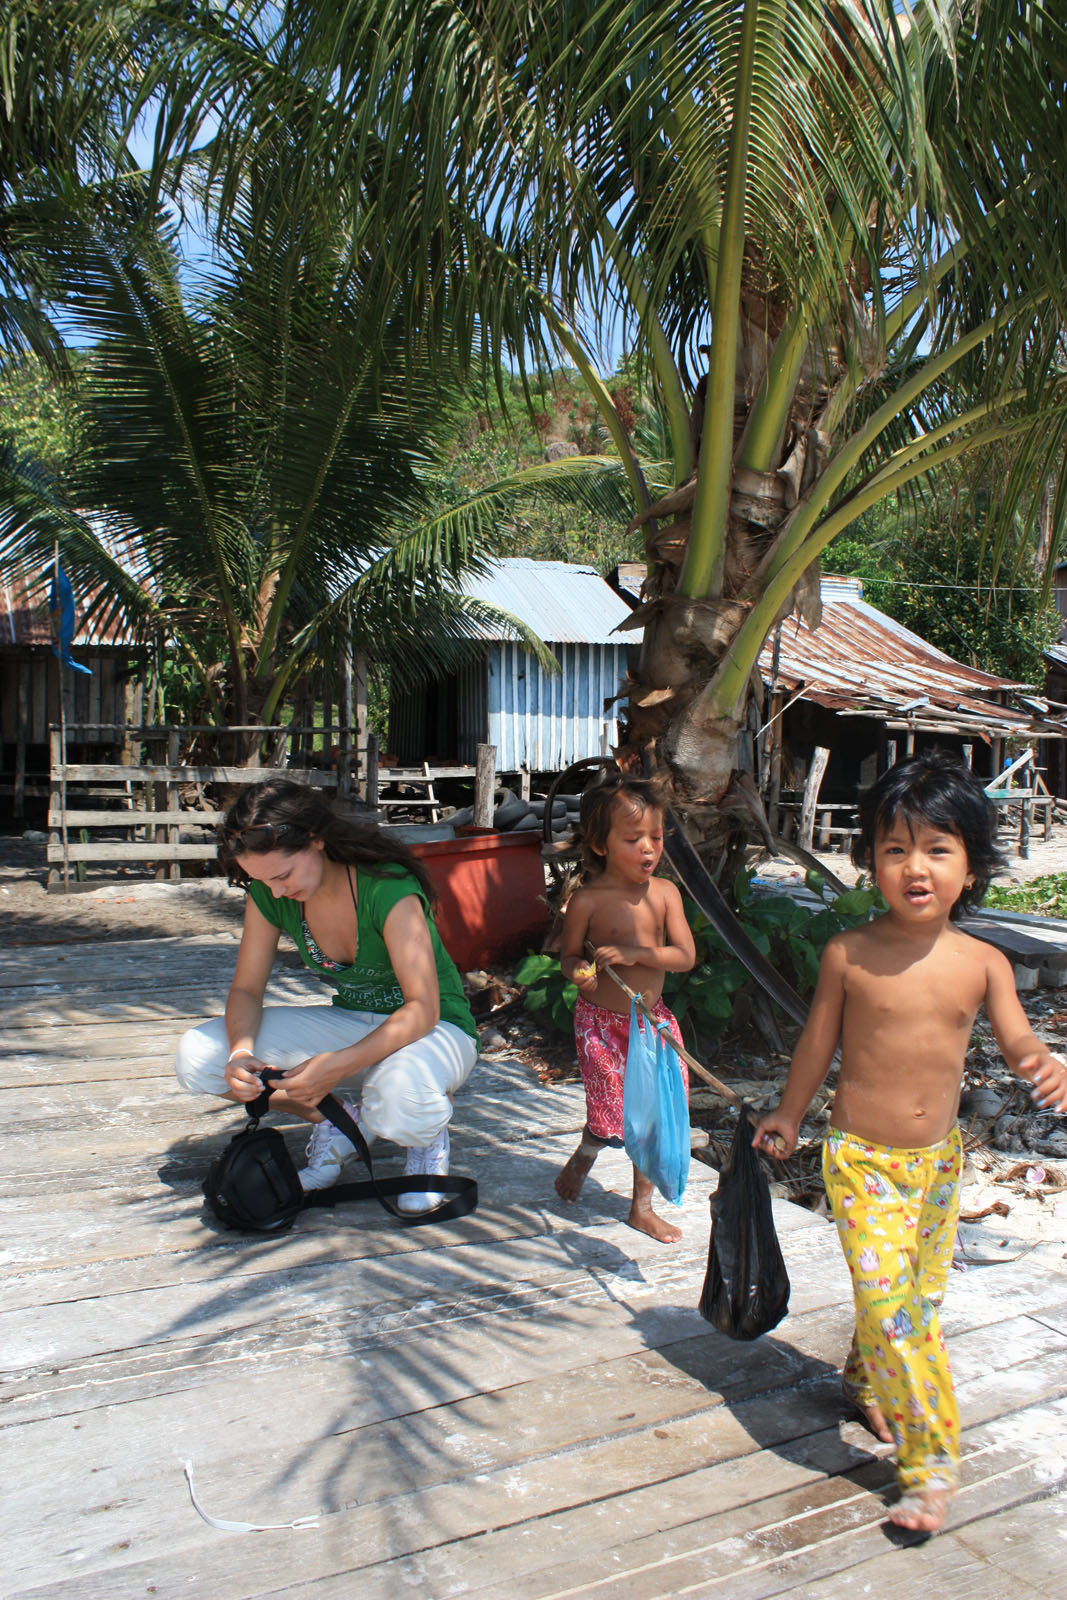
[369, 984]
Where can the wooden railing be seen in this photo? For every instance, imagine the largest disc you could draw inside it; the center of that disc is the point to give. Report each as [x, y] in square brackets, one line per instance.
[148, 803]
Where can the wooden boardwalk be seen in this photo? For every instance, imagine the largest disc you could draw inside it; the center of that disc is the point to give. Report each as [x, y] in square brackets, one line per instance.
[524, 1405]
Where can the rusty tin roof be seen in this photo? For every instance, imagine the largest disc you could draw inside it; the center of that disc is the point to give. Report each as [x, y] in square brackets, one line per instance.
[859, 662]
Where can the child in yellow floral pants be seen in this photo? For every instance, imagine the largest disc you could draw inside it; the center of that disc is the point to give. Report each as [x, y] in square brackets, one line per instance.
[896, 1213]
[899, 995]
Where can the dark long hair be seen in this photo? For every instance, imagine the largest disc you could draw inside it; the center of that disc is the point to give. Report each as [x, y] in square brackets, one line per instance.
[936, 789]
[300, 814]
[596, 811]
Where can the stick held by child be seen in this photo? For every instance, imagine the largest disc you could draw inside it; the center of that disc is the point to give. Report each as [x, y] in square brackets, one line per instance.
[636, 924]
[900, 996]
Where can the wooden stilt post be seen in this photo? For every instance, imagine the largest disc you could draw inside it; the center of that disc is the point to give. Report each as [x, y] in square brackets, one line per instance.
[174, 800]
[370, 782]
[774, 787]
[359, 711]
[345, 718]
[56, 805]
[484, 785]
[811, 796]
[22, 728]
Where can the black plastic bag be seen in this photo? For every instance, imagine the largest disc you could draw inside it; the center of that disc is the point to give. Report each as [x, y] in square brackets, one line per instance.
[746, 1288]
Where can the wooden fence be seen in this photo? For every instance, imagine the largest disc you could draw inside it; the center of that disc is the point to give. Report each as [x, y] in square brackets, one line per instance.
[161, 810]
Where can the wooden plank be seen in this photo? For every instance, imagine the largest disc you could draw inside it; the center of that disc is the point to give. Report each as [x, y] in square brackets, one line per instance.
[55, 1007]
[1001, 778]
[139, 960]
[82, 773]
[132, 850]
[519, 1405]
[1022, 946]
[421, 774]
[1025, 1548]
[484, 786]
[108, 1068]
[796, 1541]
[131, 817]
[744, 1526]
[474, 1503]
[945, 1568]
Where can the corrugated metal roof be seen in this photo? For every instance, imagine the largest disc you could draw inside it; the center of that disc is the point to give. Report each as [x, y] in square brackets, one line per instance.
[860, 661]
[24, 601]
[561, 601]
[24, 620]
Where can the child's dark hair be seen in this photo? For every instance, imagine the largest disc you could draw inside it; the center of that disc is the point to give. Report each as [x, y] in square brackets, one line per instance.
[940, 791]
[597, 806]
[282, 815]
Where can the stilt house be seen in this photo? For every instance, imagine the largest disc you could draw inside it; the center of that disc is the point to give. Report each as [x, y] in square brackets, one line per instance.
[539, 721]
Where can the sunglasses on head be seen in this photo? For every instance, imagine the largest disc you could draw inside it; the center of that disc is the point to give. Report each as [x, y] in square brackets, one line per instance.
[259, 835]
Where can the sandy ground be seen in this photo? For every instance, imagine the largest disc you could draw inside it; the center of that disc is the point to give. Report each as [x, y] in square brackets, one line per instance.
[108, 905]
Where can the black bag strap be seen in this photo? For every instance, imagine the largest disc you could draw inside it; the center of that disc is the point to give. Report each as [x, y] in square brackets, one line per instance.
[463, 1190]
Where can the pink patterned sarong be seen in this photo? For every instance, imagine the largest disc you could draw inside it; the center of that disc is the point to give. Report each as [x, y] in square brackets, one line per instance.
[602, 1038]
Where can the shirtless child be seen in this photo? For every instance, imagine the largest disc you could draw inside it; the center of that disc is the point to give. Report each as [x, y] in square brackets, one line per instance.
[636, 925]
[900, 995]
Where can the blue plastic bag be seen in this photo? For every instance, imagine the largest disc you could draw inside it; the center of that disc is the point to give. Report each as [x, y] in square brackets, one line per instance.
[655, 1112]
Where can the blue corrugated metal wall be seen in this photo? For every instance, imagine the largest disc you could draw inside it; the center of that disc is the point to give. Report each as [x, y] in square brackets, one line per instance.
[545, 723]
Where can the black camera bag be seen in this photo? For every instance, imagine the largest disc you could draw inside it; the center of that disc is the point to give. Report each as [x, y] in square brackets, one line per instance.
[253, 1184]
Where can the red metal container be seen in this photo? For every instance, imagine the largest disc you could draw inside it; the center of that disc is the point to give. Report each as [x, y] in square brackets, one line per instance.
[490, 889]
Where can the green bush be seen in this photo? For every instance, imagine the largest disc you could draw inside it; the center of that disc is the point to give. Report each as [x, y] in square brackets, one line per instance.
[547, 990]
[1046, 895]
[791, 936]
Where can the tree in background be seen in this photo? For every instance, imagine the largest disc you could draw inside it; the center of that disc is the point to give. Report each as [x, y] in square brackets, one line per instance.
[485, 443]
[927, 564]
[40, 414]
[75, 76]
[252, 488]
[260, 477]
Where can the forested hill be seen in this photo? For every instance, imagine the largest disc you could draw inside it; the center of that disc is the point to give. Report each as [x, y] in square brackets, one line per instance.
[482, 445]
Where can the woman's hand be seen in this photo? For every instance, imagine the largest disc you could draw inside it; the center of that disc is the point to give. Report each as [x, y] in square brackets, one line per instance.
[242, 1076]
[312, 1080]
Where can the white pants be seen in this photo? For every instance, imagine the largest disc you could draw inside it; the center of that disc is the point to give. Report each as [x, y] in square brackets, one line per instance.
[405, 1097]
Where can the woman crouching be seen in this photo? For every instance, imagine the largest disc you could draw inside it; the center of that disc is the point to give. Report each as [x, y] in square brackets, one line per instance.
[358, 906]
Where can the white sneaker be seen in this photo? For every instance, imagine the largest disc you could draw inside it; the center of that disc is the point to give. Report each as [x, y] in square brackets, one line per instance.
[328, 1151]
[431, 1159]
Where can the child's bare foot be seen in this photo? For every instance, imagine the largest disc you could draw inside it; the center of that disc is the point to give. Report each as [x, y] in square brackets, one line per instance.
[644, 1219]
[655, 1227]
[922, 1511]
[570, 1180]
[871, 1413]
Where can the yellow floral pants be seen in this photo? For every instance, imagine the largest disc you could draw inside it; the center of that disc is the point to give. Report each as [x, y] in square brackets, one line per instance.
[896, 1214]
